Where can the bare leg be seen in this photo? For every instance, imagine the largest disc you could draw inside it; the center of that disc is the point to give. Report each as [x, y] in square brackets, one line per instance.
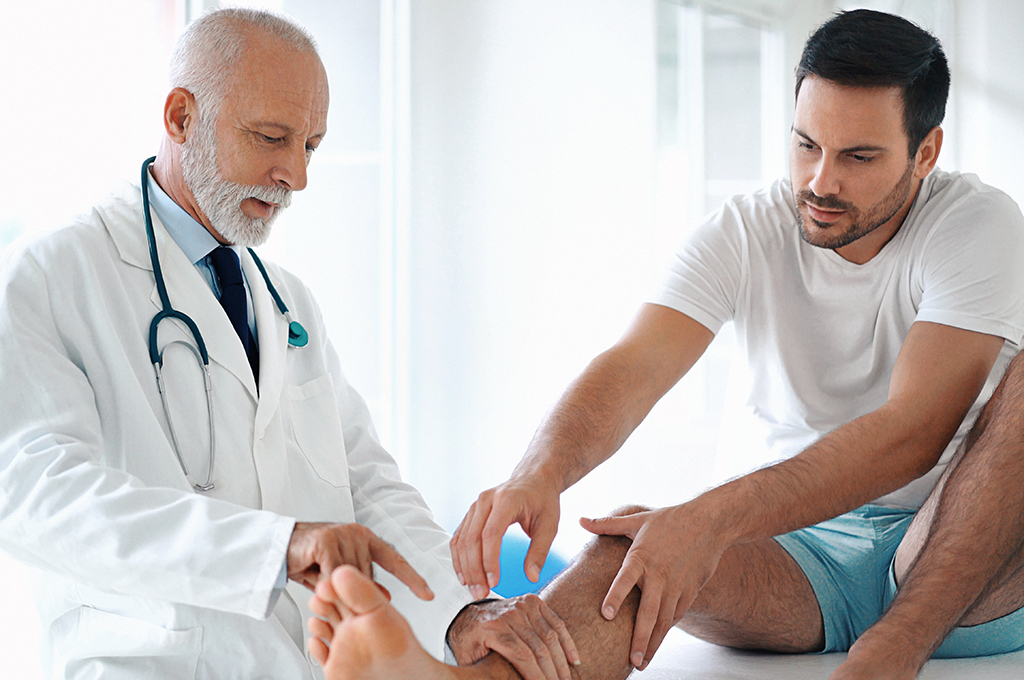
[758, 599]
[961, 562]
[373, 641]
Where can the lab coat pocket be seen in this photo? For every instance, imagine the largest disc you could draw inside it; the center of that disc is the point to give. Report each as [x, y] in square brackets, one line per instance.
[117, 647]
[316, 426]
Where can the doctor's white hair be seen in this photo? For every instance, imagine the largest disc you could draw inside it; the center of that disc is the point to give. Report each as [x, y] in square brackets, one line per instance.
[209, 46]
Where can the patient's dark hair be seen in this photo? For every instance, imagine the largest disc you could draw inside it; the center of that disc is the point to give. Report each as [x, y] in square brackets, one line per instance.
[864, 48]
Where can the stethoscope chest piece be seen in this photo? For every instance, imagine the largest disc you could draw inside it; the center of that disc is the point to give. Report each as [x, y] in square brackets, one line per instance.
[297, 335]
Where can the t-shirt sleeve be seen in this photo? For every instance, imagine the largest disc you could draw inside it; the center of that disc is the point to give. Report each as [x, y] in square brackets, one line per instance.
[973, 268]
[703, 278]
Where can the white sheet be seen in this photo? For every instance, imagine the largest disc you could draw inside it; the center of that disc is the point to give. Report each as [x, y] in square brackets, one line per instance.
[683, 657]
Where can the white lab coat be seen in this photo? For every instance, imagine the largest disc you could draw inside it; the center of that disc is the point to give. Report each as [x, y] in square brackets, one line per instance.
[142, 577]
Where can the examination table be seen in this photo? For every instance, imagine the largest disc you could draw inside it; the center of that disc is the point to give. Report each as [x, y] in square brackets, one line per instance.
[683, 657]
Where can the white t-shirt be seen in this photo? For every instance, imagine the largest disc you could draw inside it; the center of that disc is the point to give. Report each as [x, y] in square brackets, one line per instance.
[821, 334]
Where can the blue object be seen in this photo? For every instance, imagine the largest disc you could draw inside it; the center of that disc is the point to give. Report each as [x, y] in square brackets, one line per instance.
[513, 577]
[297, 335]
[232, 298]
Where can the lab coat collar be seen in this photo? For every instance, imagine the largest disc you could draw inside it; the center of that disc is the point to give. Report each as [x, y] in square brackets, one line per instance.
[190, 294]
[122, 215]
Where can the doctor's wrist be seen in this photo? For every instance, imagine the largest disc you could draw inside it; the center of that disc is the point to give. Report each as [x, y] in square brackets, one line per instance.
[461, 620]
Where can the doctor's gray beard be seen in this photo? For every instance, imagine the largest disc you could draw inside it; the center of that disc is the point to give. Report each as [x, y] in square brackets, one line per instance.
[219, 199]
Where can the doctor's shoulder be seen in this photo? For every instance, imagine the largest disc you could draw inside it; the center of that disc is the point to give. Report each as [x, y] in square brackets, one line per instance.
[53, 248]
[64, 252]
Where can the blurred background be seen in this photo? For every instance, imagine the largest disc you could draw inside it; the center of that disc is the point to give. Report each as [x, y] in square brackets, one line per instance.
[501, 184]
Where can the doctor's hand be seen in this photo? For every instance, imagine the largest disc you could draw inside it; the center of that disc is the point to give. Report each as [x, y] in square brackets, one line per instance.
[318, 548]
[531, 502]
[523, 629]
[674, 553]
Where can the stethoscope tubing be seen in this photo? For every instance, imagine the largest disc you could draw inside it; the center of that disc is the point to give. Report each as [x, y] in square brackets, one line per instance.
[297, 336]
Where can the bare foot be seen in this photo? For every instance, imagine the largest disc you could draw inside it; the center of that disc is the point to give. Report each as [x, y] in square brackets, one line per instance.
[370, 640]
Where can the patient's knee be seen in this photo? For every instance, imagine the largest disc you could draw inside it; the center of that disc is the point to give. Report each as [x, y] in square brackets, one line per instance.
[611, 543]
[629, 509]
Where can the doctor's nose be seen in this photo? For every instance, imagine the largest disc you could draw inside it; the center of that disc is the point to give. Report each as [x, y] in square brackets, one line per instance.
[290, 171]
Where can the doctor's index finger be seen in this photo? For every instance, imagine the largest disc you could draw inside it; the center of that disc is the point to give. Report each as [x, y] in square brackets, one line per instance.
[390, 560]
[568, 645]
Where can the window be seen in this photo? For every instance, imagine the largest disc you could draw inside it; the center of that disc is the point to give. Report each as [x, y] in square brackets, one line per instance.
[720, 132]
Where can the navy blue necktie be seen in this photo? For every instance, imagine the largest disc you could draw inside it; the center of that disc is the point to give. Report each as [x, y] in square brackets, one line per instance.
[232, 298]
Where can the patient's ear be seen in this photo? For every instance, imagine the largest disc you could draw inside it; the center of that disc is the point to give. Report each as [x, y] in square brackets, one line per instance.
[928, 153]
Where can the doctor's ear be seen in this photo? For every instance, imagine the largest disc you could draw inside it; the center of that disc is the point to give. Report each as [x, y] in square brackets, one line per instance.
[179, 114]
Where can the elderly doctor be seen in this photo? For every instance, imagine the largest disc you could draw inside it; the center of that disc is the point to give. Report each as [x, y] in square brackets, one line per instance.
[176, 525]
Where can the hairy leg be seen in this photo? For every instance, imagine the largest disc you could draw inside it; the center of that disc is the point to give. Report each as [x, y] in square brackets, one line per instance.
[373, 642]
[576, 596]
[758, 599]
[980, 500]
[962, 560]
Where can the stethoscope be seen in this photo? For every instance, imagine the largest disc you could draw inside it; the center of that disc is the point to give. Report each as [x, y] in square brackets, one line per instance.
[297, 336]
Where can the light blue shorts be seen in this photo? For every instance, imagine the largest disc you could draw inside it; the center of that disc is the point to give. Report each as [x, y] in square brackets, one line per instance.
[849, 562]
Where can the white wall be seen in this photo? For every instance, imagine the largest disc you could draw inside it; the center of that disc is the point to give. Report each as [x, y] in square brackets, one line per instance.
[532, 150]
[988, 59]
[76, 79]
